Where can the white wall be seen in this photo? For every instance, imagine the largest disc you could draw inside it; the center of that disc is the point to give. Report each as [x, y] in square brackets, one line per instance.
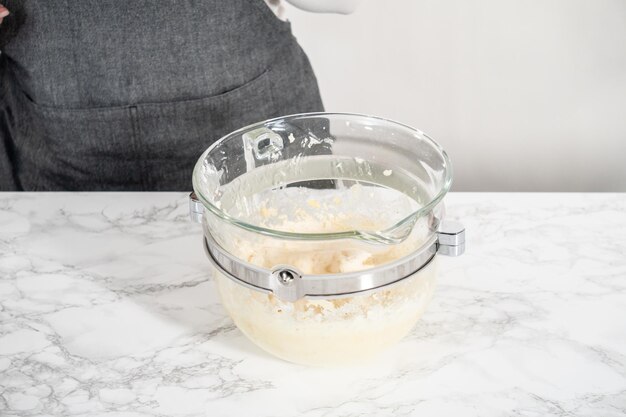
[524, 95]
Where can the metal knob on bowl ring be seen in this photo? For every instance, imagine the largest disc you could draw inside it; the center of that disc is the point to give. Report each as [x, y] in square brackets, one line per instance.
[285, 283]
[285, 277]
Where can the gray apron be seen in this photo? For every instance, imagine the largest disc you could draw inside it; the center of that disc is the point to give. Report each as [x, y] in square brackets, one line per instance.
[126, 95]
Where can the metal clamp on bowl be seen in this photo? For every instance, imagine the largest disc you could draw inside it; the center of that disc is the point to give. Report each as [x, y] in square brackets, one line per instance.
[196, 209]
[289, 284]
[451, 238]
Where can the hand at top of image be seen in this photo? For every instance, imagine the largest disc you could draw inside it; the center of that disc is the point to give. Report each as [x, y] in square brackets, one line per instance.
[4, 12]
[326, 6]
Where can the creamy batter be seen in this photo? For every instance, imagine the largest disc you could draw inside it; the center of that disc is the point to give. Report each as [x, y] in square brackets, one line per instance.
[326, 331]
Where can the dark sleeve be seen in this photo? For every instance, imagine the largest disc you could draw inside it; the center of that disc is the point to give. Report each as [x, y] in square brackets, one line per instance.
[7, 178]
[7, 172]
[8, 30]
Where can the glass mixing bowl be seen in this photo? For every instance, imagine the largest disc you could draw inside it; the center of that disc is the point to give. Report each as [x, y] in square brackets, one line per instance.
[322, 230]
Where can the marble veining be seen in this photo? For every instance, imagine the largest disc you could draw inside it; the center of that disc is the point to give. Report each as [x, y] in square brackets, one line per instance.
[107, 309]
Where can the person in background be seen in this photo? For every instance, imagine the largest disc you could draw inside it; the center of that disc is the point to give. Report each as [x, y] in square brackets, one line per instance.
[113, 95]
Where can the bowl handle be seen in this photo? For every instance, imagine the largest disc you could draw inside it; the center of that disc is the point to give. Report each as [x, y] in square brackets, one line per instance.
[196, 209]
[451, 238]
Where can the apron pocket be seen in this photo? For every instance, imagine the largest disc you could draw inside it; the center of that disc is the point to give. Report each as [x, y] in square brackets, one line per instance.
[173, 135]
[76, 149]
[147, 146]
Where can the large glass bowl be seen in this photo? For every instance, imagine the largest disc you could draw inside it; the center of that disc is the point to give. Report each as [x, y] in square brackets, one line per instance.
[347, 203]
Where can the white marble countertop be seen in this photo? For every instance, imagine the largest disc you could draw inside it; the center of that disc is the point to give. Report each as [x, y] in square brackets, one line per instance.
[106, 309]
